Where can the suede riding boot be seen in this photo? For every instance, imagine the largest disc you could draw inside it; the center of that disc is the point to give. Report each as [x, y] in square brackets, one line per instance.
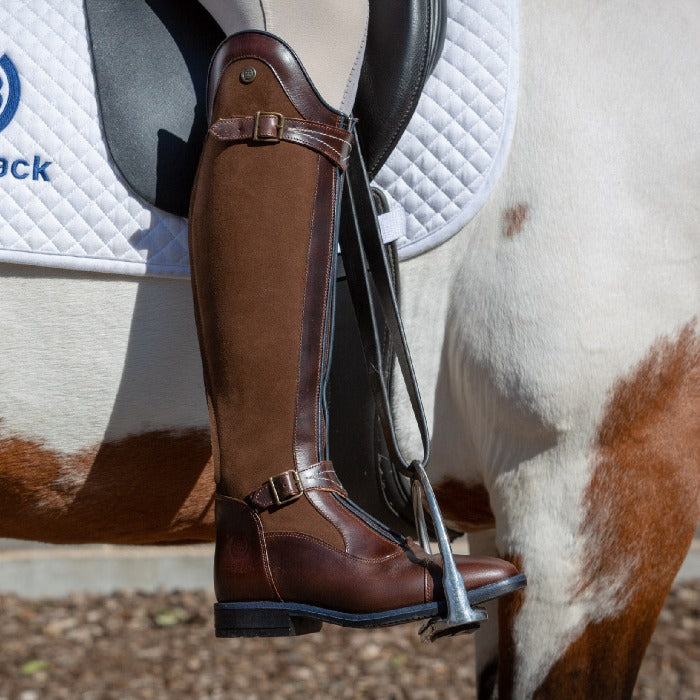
[292, 550]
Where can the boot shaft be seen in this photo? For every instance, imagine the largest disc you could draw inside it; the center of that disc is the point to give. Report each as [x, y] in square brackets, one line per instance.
[262, 246]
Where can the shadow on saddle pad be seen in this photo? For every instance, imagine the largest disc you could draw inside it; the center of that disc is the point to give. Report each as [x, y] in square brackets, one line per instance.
[151, 59]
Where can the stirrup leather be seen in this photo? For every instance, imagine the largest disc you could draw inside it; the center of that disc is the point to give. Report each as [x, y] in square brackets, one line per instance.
[367, 268]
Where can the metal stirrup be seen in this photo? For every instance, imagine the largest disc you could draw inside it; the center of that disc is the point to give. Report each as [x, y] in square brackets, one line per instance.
[368, 278]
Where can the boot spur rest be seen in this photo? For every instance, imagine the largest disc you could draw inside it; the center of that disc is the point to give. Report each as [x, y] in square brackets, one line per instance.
[292, 549]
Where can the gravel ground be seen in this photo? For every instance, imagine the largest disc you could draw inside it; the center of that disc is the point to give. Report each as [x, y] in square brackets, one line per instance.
[162, 646]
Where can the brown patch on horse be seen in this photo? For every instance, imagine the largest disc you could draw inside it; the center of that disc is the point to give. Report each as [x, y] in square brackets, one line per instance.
[604, 661]
[508, 608]
[465, 507]
[155, 487]
[514, 219]
[642, 508]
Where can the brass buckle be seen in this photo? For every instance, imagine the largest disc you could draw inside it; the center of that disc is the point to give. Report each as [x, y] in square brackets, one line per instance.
[256, 127]
[275, 496]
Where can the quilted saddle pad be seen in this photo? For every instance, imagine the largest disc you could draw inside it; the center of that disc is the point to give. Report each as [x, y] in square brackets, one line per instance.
[64, 203]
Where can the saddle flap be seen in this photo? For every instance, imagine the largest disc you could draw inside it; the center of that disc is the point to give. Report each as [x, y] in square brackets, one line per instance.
[404, 42]
[150, 60]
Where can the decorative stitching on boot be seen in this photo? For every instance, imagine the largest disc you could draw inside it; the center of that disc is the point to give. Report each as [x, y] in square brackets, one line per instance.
[321, 543]
[265, 555]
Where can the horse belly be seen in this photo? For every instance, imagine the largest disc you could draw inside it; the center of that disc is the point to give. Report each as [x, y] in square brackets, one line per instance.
[103, 424]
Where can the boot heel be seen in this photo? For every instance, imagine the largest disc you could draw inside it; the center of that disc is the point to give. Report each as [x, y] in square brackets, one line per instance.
[234, 620]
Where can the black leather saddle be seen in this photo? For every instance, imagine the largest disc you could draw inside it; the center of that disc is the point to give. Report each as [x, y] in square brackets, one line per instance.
[151, 59]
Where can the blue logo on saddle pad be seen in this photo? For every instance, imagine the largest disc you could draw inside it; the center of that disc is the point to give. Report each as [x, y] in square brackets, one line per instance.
[19, 168]
[8, 104]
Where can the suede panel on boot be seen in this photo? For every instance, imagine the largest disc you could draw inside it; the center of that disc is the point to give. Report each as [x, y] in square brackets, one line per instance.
[253, 302]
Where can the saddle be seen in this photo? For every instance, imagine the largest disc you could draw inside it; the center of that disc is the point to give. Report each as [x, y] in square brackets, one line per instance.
[151, 60]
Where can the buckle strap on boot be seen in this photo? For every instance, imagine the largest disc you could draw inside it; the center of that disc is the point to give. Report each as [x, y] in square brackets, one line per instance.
[272, 127]
[286, 487]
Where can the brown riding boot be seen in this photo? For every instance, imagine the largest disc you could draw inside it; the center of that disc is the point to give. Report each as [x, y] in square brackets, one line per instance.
[292, 550]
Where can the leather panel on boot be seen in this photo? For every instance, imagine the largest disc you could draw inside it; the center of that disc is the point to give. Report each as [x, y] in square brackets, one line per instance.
[309, 571]
[307, 446]
[288, 70]
[240, 566]
[476, 572]
[360, 539]
[255, 564]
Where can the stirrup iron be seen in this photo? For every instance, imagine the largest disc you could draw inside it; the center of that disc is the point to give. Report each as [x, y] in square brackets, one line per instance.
[461, 617]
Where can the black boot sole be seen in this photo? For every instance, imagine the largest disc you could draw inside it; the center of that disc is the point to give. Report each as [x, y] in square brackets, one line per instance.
[271, 619]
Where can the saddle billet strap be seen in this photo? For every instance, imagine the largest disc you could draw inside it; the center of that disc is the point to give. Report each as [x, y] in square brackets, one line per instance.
[368, 273]
[288, 486]
[270, 127]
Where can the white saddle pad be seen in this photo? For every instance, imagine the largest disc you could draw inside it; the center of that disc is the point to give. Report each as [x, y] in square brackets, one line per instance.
[458, 140]
[64, 203]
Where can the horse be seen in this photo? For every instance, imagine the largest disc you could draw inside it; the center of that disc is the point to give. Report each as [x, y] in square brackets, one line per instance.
[556, 346]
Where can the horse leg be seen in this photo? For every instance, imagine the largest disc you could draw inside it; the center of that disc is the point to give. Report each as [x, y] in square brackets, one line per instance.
[592, 485]
[638, 512]
[483, 543]
[600, 524]
[568, 380]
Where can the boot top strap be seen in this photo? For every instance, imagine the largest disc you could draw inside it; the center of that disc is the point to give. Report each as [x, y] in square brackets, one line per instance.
[272, 127]
[288, 486]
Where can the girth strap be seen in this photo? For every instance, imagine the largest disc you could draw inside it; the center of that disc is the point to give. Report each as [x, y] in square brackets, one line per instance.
[287, 487]
[271, 127]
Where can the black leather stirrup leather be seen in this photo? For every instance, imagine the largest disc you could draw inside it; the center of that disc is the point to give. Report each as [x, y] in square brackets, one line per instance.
[400, 72]
[369, 279]
[371, 285]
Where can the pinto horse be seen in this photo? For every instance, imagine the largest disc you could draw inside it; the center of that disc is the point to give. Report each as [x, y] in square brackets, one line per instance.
[556, 343]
